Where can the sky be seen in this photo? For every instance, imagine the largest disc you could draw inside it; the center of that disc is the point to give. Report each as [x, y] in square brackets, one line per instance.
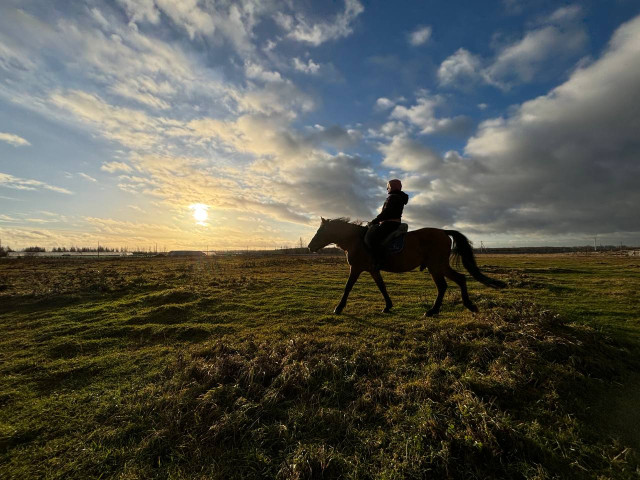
[239, 124]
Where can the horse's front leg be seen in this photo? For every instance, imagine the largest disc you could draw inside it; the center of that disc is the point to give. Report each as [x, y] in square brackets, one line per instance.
[353, 277]
[383, 289]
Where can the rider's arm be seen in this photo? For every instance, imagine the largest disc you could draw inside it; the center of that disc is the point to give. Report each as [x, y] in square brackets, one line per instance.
[391, 209]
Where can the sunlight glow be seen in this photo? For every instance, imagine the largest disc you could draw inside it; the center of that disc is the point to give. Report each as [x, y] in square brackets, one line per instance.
[200, 213]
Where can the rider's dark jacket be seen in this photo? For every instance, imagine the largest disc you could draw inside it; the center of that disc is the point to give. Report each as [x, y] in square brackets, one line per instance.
[392, 208]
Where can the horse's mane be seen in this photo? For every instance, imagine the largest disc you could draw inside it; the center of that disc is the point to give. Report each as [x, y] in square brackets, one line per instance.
[348, 220]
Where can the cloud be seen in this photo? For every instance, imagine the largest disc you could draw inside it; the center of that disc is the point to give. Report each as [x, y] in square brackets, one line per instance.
[13, 58]
[562, 163]
[183, 181]
[141, 10]
[300, 29]
[97, 49]
[569, 13]
[26, 236]
[524, 59]
[189, 15]
[188, 128]
[9, 181]
[157, 75]
[393, 128]
[384, 103]
[334, 136]
[113, 58]
[261, 133]
[232, 22]
[329, 185]
[310, 67]
[289, 177]
[261, 130]
[40, 220]
[118, 52]
[420, 36]
[3, 197]
[132, 128]
[122, 227]
[460, 68]
[112, 167]
[278, 210]
[423, 116]
[543, 51]
[53, 215]
[257, 134]
[14, 140]
[409, 155]
[144, 90]
[273, 98]
[258, 72]
[87, 177]
[103, 55]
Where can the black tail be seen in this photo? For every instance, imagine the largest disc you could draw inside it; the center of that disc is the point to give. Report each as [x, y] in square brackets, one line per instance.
[462, 249]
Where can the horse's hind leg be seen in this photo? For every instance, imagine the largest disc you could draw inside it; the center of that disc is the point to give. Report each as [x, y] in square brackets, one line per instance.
[461, 280]
[441, 284]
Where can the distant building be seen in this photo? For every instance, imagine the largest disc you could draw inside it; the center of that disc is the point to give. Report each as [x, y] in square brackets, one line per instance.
[186, 253]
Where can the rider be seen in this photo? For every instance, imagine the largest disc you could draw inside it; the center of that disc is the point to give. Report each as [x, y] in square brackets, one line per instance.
[387, 221]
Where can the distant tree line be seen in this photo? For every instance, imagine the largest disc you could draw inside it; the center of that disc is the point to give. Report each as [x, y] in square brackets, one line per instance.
[35, 249]
[87, 249]
[583, 248]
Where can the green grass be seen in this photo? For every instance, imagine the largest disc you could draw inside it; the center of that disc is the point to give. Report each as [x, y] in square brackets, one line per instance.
[236, 368]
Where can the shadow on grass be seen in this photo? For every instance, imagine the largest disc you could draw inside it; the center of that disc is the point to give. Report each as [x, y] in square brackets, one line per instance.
[67, 379]
[503, 394]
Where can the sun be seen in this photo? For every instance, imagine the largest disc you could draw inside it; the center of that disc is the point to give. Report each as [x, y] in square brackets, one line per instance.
[200, 213]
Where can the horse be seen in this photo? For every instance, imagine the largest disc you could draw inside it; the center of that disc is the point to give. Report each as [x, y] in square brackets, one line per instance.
[429, 248]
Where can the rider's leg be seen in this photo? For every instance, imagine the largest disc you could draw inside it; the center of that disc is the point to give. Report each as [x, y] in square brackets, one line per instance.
[378, 236]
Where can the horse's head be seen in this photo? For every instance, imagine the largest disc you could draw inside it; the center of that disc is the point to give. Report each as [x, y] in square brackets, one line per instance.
[340, 231]
[323, 236]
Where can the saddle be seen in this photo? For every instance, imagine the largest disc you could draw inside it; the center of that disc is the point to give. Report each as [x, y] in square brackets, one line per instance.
[394, 243]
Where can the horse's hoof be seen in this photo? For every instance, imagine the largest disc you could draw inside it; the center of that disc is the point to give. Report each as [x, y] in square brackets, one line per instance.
[386, 309]
[473, 308]
[431, 313]
[337, 311]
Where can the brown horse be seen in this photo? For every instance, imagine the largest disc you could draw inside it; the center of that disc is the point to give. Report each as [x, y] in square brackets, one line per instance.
[425, 248]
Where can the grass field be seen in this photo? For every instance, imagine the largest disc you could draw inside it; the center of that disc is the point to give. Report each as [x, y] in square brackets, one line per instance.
[235, 368]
